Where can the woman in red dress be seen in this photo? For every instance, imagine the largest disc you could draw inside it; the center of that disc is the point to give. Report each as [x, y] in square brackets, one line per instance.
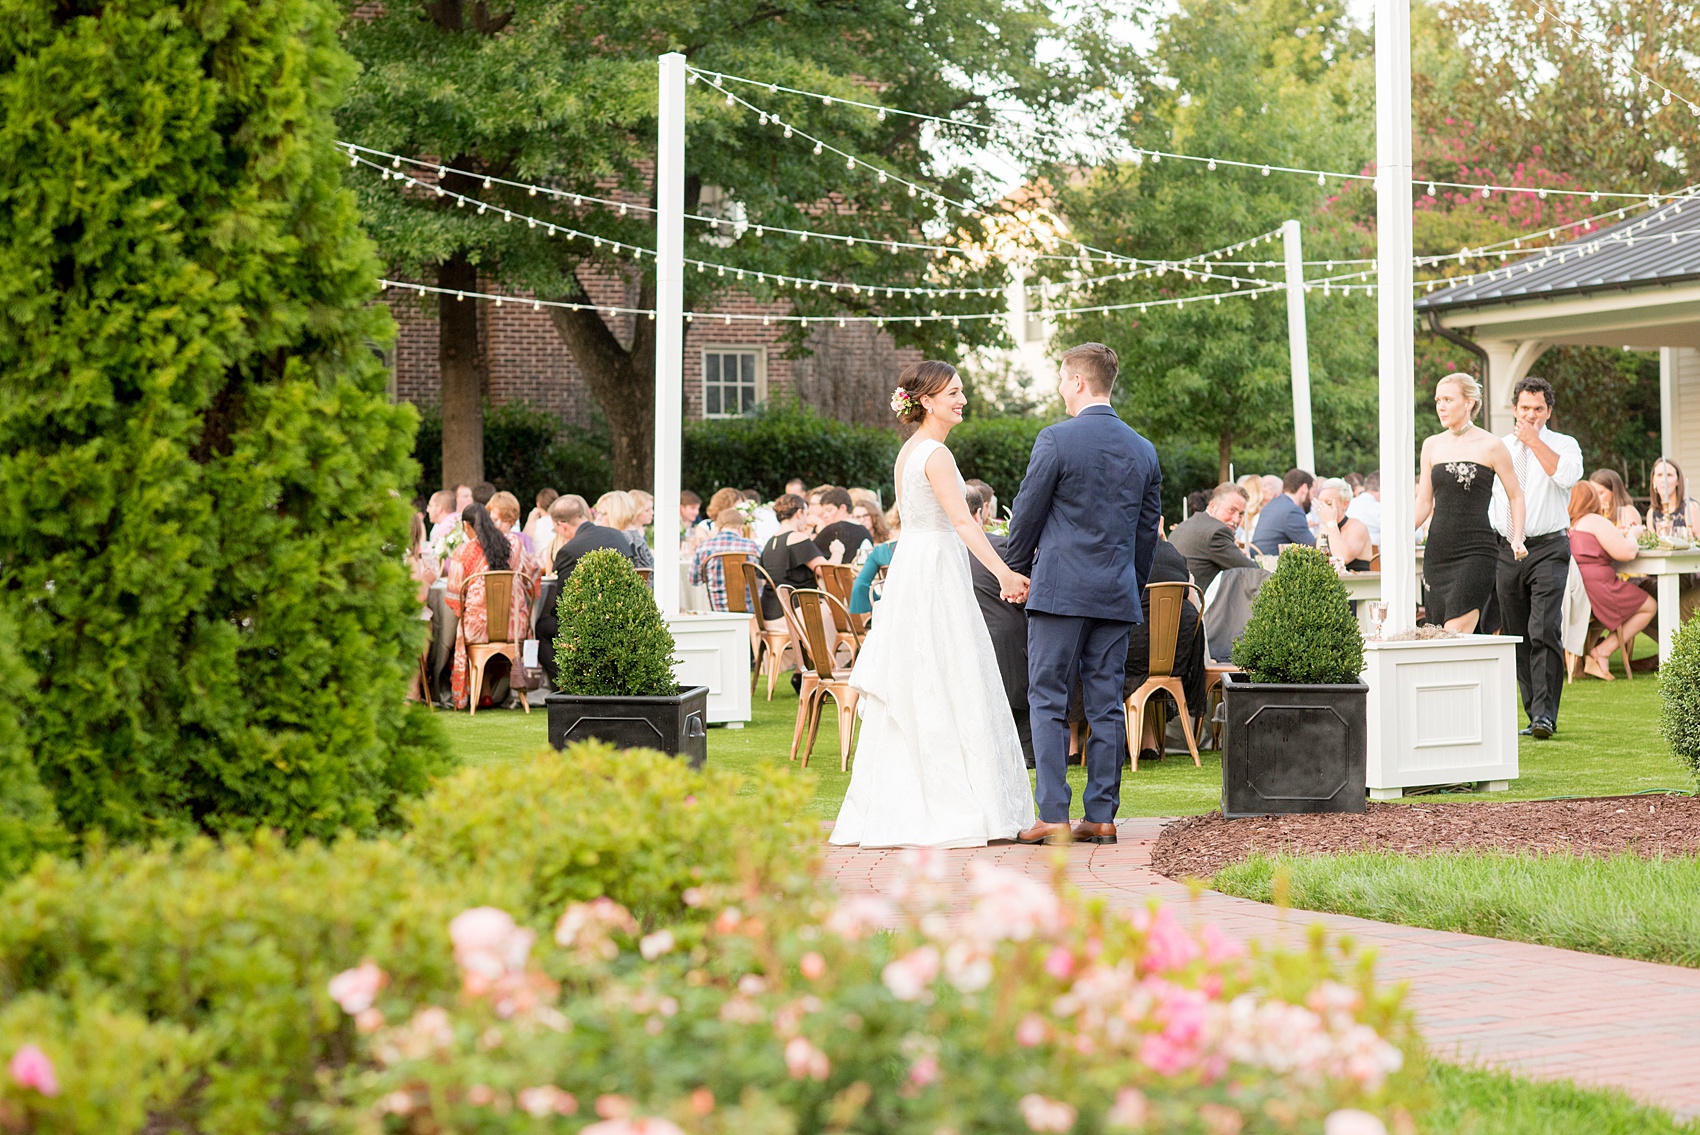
[1597, 547]
[487, 548]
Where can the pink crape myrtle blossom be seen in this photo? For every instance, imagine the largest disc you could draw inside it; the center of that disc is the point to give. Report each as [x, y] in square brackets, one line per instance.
[33, 1070]
[1351, 1121]
[1010, 905]
[804, 1061]
[546, 1099]
[639, 1125]
[1130, 1110]
[1032, 1031]
[909, 977]
[356, 989]
[1046, 1115]
[588, 928]
[1168, 947]
[652, 946]
[857, 916]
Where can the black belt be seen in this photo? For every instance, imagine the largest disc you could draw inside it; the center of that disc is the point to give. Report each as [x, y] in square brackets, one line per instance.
[1533, 541]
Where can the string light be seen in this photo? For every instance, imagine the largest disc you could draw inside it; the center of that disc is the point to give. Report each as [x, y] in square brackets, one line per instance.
[1607, 56]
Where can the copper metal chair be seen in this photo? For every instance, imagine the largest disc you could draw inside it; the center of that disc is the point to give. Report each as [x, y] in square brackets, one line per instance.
[808, 611]
[1163, 615]
[837, 580]
[771, 641]
[503, 638]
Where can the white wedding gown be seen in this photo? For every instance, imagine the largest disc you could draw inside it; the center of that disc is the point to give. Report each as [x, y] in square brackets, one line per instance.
[938, 763]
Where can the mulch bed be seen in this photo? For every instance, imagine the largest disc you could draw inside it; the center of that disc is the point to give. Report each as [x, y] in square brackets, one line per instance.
[1200, 845]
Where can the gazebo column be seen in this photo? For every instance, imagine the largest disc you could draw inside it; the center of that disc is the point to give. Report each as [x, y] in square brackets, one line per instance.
[1508, 361]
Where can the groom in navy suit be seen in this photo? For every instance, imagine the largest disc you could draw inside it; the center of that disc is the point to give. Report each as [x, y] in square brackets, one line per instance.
[1084, 527]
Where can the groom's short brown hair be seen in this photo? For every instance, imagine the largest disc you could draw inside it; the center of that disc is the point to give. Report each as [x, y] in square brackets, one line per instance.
[1096, 363]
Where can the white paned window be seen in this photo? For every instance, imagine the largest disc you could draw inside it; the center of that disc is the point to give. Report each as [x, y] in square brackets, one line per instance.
[734, 380]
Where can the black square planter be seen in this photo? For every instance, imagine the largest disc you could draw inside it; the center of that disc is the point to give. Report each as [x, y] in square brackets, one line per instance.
[1291, 748]
[677, 725]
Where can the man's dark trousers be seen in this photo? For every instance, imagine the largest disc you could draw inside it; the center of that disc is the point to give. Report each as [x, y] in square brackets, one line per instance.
[1058, 648]
[1531, 601]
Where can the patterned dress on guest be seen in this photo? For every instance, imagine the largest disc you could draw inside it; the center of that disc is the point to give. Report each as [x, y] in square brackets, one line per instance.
[466, 598]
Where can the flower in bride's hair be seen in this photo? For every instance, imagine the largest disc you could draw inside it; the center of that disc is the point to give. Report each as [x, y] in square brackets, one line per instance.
[901, 400]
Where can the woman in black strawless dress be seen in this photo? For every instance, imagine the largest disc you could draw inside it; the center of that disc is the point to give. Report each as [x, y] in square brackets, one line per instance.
[1461, 557]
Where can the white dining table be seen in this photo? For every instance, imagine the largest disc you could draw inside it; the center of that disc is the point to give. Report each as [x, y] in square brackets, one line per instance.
[1668, 568]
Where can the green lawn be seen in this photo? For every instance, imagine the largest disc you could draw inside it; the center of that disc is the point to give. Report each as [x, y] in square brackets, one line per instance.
[1474, 1101]
[1608, 743]
[1626, 905]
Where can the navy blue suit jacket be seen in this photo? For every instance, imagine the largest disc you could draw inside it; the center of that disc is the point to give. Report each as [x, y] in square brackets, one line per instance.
[1084, 525]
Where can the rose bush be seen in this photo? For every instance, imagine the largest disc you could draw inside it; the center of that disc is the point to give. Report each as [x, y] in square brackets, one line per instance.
[1033, 1011]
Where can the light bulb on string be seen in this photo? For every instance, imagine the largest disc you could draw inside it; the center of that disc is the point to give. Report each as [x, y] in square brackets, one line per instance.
[787, 129]
[1211, 164]
[1265, 171]
[486, 183]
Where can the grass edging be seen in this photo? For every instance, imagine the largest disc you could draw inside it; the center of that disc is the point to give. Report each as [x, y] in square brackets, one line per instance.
[1625, 906]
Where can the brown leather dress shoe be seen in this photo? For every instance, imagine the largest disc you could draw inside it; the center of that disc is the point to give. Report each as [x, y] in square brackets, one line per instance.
[1045, 832]
[1085, 832]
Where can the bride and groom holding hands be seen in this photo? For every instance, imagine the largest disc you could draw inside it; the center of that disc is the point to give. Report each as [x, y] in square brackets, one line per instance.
[938, 763]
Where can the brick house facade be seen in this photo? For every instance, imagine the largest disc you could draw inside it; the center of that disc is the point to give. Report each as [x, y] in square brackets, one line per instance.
[848, 374]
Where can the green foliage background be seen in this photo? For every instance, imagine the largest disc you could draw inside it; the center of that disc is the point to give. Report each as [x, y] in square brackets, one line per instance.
[1301, 628]
[1679, 691]
[200, 542]
[525, 450]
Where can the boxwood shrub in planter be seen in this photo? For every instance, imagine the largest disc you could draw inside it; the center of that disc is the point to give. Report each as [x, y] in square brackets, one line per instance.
[615, 659]
[1295, 735]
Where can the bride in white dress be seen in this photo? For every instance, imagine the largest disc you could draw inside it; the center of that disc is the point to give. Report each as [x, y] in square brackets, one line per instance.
[938, 763]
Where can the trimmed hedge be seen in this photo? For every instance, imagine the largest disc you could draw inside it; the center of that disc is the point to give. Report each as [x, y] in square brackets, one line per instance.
[612, 641]
[200, 539]
[1679, 694]
[525, 450]
[29, 820]
[764, 450]
[186, 990]
[1301, 628]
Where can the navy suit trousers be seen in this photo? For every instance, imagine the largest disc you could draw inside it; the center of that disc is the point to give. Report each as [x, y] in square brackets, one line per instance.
[1058, 648]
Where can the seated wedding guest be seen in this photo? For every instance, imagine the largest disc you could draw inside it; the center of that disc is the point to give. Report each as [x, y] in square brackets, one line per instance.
[504, 506]
[1252, 486]
[794, 487]
[463, 497]
[576, 536]
[421, 560]
[538, 526]
[1271, 487]
[1206, 538]
[1197, 501]
[487, 548]
[1597, 547]
[874, 521]
[878, 557]
[1282, 520]
[1672, 512]
[1006, 622]
[840, 537]
[1366, 508]
[790, 558]
[763, 524]
[440, 510]
[1356, 481]
[866, 498]
[617, 510]
[1168, 565]
[728, 537]
[1621, 511]
[645, 508]
[1351, 548]
[690, 509]
[1340, 498]
[990, 499]
[482, 492]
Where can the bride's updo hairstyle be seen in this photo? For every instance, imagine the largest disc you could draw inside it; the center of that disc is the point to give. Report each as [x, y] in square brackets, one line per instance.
[918, 380]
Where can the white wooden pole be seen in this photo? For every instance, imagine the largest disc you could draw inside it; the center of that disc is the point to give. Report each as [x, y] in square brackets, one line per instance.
[669, 325]
[1298, 346]
[1395, 313]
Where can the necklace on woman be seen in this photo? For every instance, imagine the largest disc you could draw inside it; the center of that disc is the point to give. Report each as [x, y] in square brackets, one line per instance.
[1459, 431]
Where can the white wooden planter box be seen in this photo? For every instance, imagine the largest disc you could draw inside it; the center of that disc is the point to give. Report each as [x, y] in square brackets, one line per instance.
[714, 651]
[1441, 711]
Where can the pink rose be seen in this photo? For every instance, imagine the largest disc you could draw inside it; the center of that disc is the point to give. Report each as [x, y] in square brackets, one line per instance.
[32, 1069]
[1351, 1121]
[1031, 1031]
[909, 976]
[356, 989]
[804, 1061]
[1130, 1110]
[1059, 963]
[1046, 1115]
[924, 1071]
[812, 965]
[643, 1125]
[652, 946]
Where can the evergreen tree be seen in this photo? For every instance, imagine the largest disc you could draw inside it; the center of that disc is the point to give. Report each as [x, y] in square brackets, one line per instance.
[200, 541]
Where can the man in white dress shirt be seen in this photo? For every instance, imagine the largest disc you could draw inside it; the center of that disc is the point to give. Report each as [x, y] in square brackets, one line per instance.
[1531, 591]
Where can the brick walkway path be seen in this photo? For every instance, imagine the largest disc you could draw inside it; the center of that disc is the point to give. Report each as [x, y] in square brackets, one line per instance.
[1540, 1011]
